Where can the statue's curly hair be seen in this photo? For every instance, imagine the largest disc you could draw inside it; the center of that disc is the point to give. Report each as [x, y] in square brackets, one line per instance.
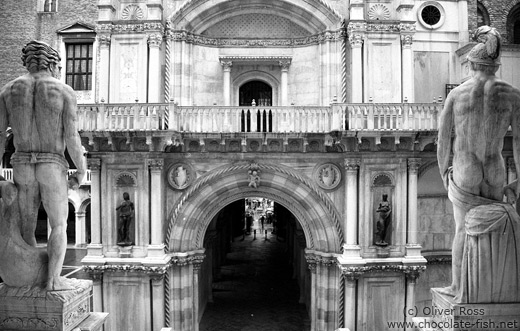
[38, 56]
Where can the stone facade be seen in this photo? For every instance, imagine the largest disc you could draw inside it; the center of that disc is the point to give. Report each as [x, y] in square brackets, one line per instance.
[356, 89]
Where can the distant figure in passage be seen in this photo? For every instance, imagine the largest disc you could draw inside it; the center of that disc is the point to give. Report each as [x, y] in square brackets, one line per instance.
[41, 110]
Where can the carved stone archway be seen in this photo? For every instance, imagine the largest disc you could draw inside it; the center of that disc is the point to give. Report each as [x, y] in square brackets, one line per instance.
[191, 216]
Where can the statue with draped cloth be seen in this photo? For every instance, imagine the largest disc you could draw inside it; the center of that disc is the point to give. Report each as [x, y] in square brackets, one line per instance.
[486, 246]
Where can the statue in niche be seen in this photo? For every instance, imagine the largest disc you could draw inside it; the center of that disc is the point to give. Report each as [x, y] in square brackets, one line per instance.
[41, 110]
[383, 221]
[125, 216]
[480, 111]
[254, 177]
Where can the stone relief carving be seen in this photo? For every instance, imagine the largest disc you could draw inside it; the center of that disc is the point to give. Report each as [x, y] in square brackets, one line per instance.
[378, 12]
[132, 12]
[254, 175]
[180, 176]
[327, 176]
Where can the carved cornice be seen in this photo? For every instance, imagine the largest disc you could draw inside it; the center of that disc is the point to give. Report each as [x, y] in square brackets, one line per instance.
[352, 273]
[181, 260]
[99, 269]
[182, 35]
[130, 27]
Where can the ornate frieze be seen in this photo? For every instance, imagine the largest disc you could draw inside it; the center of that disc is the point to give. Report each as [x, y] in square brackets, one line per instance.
[185, 259]
[34, 323]
[355, 272]
[95, 270]
[182, 35]
[130, 27]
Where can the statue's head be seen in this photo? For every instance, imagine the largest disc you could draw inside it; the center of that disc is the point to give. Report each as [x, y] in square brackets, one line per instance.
[485, 56]
[385, 197]
[39, 56]
[126, 196]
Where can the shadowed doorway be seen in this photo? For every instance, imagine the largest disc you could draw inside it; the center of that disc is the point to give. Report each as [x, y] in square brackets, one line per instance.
[256, 90]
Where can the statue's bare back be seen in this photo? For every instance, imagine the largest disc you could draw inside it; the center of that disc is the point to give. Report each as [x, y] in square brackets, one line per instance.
[36, 103]
[482, 113]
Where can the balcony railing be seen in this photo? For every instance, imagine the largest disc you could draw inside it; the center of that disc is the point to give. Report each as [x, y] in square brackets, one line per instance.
[7, 173]
[341, 117]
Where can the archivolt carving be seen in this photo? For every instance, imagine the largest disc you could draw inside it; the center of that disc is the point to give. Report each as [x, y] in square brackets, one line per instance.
[327, 203]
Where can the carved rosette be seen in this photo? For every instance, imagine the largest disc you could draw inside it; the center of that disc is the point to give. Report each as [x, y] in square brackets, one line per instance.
[327, 176]
[181, 175]
[413, 165]
[155, 40]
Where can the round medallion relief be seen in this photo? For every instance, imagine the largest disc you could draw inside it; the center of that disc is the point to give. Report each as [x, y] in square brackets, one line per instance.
[181, 175]
[327, 176]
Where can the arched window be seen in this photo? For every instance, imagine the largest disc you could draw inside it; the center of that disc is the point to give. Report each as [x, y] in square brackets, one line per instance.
[513, 25]
[482, 15]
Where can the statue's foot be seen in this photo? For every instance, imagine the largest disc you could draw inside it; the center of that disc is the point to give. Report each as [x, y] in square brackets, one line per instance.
[59, 284]
[450, 290]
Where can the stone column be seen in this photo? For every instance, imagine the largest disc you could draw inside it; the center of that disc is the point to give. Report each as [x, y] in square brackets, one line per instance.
[182, 294]
[413, 249]
[411, 280]
[156, 247]
[511, 170]
[226, 65]
[284, 64]
[95, 247]
[97, 291]
[350, 299]
[154, 67]
[407, 65]
[356, 43]
[104, 66]
[80, 229]
[351, 250]
[158, 302]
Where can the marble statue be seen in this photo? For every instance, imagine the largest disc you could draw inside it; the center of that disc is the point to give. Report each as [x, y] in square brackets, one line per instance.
[384, 220]
[480, 111]
[41, 111]
[125, 213]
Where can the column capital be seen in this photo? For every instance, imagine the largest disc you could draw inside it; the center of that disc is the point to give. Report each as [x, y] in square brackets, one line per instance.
[156, 164]
[94, 164]
[104, 39]
[155, 40]
[157, 279]
[414, 164]
[284, 64]
[406, 40]
[356, 40]
[352, 164]
[226, 65]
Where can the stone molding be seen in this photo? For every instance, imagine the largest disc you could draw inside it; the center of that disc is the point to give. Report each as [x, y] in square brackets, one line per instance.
[130, 28]
[93, 270]
[186, 36]
[354, 272]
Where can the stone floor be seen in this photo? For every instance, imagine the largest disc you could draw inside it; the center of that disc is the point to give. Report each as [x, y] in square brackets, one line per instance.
[255, 291]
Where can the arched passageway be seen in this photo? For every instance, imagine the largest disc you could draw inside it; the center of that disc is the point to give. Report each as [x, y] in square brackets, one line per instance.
[190, 221]
[255, 275]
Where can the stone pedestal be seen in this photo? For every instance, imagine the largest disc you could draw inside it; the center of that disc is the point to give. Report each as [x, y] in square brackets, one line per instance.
[447, 315]
[36, 309]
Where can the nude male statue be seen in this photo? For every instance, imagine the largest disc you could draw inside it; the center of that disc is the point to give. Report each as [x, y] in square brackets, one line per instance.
[481, 111]
[41, 110]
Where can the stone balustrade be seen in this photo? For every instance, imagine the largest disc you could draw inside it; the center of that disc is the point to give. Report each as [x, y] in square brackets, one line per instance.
[336, 117]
